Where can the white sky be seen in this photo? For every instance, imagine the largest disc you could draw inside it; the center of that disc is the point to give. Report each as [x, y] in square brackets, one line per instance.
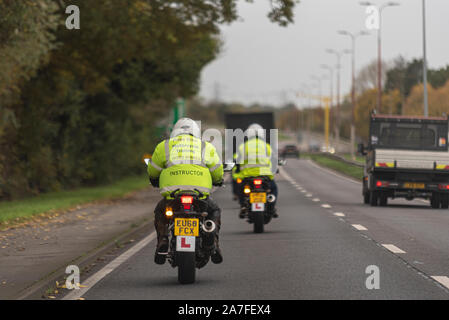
[261, 60]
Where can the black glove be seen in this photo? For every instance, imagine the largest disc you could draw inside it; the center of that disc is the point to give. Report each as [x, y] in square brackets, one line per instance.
[218, 184]
[155, 182]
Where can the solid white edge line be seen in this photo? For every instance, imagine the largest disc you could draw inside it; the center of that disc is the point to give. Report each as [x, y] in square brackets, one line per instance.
[332, 172]
[94, 279]
[393, 248]
[359, 227]
[442, 280]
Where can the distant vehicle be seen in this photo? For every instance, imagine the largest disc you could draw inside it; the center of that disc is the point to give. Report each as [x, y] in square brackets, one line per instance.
[290, 150]
[407, 157]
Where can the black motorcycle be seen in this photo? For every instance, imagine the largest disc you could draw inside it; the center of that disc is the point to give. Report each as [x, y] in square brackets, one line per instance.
[191, 236]
[257, 201]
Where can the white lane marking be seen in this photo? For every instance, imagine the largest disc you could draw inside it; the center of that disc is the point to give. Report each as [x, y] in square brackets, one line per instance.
[359, 227]
[393, 248]
[91, 281]
[316, 200]
[339, 214]
[309, 195]
[326, 206]
[304, 191]
[442, 280]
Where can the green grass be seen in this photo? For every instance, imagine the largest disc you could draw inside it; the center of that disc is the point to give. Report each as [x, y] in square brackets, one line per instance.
[340, 166]
[19, 210]
[360, 159]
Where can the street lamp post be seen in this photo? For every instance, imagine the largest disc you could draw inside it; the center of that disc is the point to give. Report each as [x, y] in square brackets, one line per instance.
[426, 94]
[379, 48]
[353, 37]
[338, 54]
[328, 102]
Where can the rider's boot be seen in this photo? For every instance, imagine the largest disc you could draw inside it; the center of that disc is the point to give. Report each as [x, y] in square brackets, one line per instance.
[162, 243]
[217, 256]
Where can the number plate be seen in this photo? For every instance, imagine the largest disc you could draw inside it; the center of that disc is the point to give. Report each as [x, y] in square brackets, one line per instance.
[187, 227]
[258, 197]
[413, 185]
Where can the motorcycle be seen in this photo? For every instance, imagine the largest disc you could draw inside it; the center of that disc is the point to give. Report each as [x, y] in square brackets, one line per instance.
[191, 236]
[256, 201]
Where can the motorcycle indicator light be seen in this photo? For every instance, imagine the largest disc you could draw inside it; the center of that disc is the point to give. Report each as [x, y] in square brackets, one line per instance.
[247, 190]
[239, 180]
[169, 212]
[186, 199]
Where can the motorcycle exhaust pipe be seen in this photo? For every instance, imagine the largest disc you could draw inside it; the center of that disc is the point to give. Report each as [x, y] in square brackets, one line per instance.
[271, 198]
[209, 226]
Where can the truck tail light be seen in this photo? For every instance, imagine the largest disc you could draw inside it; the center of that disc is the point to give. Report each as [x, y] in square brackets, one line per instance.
[382, 184]
[443, 186]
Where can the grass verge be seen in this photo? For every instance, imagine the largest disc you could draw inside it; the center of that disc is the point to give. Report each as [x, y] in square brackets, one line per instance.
[337, 165]
[20, 210]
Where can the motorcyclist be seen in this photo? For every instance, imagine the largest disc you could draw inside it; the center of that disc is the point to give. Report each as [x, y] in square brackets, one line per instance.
[184, 162]
[254, 160]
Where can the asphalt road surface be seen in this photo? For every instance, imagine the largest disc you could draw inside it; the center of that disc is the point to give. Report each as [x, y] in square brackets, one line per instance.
[319, 248]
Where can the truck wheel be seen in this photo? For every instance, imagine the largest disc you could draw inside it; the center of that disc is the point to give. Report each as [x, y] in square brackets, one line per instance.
[373, 199]
[383, 199]
[366, 198]
[444, 201]
[435, 200]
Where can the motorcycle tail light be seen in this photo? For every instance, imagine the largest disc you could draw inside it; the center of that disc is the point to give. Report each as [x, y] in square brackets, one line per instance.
[186, 199]
[187, 206]
[257, 182]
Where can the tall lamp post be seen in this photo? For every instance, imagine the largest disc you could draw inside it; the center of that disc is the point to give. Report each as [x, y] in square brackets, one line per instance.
[353, 37]
[380, 9]
[338, 54]
[426, 94]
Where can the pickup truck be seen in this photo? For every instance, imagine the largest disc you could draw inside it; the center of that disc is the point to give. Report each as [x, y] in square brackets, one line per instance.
[407, 157]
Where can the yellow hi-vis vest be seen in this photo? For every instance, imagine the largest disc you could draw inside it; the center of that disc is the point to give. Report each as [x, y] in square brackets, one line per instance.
[185, 163]
[254, 157]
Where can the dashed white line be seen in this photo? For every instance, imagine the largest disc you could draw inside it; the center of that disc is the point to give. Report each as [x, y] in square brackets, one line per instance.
[309, 195]
[326, 206]
[316, 200]
[393, 248]
[339, 214]
[442, 280]
[359, 227]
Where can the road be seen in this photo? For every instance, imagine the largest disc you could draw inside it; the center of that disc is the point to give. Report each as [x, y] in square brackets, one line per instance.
[312, 251]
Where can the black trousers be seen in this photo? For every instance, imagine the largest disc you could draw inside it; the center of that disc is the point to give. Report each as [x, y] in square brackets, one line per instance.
[161, 221]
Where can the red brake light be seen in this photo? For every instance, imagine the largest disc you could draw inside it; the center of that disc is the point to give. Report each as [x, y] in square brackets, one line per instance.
[379, 183]
[186, 199]
[382, 184]
[257, 182]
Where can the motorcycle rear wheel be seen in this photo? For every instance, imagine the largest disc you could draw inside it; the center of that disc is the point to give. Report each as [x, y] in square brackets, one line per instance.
[259, 222]
[186, 267]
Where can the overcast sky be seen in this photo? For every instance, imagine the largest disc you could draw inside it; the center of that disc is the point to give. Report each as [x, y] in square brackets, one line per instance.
[262, 62]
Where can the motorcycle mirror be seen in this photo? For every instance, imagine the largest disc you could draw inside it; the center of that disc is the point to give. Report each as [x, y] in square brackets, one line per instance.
[282, 162]
[227, 167]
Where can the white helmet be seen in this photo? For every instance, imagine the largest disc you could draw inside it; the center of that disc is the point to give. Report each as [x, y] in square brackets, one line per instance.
[186, 126]
[255, 130]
